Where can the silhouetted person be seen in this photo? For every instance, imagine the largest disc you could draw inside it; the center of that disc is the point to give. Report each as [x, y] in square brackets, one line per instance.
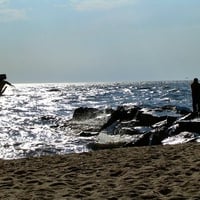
[3, 83]
[195, 87]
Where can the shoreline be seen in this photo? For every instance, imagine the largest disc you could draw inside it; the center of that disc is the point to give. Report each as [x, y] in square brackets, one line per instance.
[151, 172]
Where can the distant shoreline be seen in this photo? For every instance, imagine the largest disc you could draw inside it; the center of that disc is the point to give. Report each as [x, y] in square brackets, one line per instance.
[104, 82]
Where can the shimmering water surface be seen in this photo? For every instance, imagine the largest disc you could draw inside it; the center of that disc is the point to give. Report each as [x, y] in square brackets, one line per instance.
[23, 133]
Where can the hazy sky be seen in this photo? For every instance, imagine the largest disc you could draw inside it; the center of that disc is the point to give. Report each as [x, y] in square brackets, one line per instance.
[99, 40]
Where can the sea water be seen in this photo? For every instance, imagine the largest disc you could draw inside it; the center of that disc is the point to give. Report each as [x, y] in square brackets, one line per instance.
[23, 133]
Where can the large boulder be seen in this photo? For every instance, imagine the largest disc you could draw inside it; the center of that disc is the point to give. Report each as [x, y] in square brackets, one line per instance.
[83, 113]
[134, 126]
[149, 117]
[185, 125]
[121, 114]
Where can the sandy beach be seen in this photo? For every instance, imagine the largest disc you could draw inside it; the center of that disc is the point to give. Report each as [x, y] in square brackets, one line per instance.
[157, 172]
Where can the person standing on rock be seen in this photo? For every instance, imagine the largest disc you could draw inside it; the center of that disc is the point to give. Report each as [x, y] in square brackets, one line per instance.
[195, 87]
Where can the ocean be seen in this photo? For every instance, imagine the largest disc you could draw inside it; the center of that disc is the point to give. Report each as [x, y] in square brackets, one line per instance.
[23, 133]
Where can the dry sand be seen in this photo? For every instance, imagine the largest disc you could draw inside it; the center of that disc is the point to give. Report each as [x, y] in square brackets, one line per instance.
[158, 172]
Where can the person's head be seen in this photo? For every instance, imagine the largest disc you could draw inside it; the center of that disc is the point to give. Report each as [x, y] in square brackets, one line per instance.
[2, 77]
[196, 80]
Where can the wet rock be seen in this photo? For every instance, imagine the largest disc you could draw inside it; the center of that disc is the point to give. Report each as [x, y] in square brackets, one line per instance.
[137, 130]
[127, 131]
[139, 140]
[54, 90]
[48, 118]
[187, 125]
[133, 126]
[121, 114]
[183, 110]
[129, 114]
[147, 118]
[53, 121]
[169, 107]
[154, 123]
[133, 130]
[100, 146]
[187, 117]
[84, 113]
[157, 136]
[142, 140]
[79, 125]
[160, 131]
[178, 109]
[88, 134]
[182, 137]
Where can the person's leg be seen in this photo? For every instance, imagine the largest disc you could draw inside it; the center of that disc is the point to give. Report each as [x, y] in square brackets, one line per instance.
[2, 88]
[198, 109]
[194, 105]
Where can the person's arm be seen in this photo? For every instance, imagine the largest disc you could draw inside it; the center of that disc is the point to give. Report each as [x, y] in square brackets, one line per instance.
[8, 83]
[3, 90]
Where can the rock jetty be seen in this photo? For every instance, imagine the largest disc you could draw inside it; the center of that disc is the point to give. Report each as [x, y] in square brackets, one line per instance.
[135, 126]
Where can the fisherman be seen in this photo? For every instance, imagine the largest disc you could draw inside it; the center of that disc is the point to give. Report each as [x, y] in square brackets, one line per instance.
[3, 83]
[195, 87]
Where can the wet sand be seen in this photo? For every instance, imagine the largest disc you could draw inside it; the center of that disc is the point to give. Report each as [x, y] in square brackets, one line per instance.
[158, 172]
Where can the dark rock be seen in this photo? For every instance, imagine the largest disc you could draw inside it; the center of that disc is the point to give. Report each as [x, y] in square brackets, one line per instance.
[54, 90]
[171, 120]
[152, 136]
[169, 107]
[130, 114]
[134, 126]
[47, 118]
[98, 146]
[84, 113]
[187, 125]
[53, 121]
[149, 118]
[160, 131]
[179, 109]
[120, 114]
[183, 110]
[158, 135]
[128, 131]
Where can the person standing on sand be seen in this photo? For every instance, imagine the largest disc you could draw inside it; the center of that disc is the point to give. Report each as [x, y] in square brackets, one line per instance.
[195, 87]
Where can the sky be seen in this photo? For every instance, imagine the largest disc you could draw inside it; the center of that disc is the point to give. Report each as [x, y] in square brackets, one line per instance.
[99, 40]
